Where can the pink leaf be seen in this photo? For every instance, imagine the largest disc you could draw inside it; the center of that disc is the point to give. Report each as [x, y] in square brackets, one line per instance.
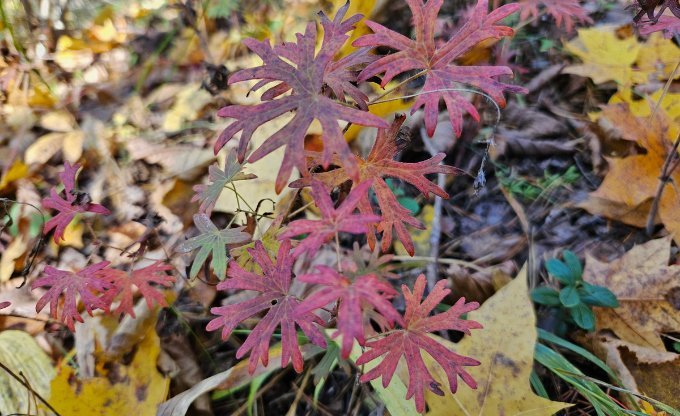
[75, 202]
[415, 338]
[355, 299]
[86, 285]
[378, 165]
[275, 299]
[333, 220]
[565, 12]
[304, 74]
[669, 25]
[441, 74]
[123, 286]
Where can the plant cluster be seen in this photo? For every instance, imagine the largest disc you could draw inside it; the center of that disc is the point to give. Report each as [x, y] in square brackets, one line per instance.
[319, 84]
[576, 296]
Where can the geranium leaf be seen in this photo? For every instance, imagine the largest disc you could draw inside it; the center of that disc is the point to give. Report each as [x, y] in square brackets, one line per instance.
[414, 337]
[274, 298]
[208, 194]
[296, 68]
[355, 298]
[86, 285]
[213, 241]
[380, 164]
[333, 220]
[436, 60]
[123, 284]
[75, 202]
[565, 12]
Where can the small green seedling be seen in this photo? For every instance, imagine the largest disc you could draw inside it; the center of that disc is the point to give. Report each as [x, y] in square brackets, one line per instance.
[406, 201]
[576, 296]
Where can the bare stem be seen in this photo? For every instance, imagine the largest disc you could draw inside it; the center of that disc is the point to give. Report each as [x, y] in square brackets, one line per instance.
[669, 166]
[28, 386]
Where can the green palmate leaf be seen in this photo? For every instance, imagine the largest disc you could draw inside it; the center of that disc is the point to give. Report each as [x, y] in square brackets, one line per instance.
[209, 193]
[573, 263]
[546, 296]
[561, 271]
[594, 295]
[212, 241]
[569, 297]
[583, 316]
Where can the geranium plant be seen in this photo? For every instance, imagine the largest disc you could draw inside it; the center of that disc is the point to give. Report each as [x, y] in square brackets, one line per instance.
[311, 81]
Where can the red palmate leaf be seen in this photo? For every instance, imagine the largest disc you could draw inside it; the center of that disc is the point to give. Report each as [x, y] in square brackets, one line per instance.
[87, 285]
[123, 286]
[363, 294]
[563, 11]
[441, 74]
[75, 202]
[378, 165]
[415, 336]
[669, 25]
[275, 298]
[297, 69]
[333, 220]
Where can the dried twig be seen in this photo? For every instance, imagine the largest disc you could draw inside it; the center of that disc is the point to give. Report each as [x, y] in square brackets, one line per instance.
[436, 230]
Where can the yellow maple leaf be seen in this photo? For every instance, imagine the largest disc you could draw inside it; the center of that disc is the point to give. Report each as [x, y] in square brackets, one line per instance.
[640, 107]
[659, 55]
[135, 389]
[606, 57]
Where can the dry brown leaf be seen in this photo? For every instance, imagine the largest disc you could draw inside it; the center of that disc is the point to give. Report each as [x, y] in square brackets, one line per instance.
[635, 216]
[642, 281]
[642, 370]
[632, 181]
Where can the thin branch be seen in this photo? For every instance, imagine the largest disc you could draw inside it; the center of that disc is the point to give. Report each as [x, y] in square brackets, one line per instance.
[669, 166]
[436, 229]
[28, 386]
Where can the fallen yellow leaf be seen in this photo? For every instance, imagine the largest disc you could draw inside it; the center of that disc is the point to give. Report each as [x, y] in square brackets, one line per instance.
[18, 170]
[72, 54]
[659, 56]
[605, 57]
[641, 107]
[633, 180]
[188, 102]
[129, 390]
